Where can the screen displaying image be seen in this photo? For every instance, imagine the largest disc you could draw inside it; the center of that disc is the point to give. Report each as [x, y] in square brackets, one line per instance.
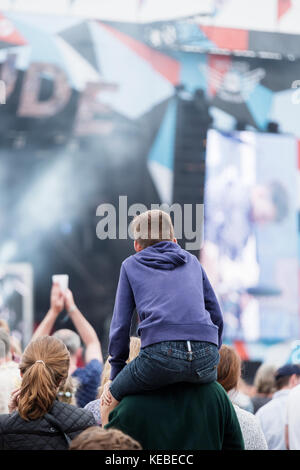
[250, 249]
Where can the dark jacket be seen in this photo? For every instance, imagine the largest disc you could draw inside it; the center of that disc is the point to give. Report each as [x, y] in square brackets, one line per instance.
[182, 416]
[173, 297]
[39, 434]
[258, 402]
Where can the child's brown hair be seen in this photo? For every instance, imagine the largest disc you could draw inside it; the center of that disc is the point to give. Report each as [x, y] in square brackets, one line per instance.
[152, 227]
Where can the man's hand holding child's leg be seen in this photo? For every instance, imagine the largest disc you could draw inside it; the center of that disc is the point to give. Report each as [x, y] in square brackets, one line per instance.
[107, 403]
[106, 397]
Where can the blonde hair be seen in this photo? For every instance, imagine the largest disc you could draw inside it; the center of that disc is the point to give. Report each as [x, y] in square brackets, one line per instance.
[67, 391]
[4, 343]
[134, 349]
[10, 380]
[97, 438]
[44, 365]
[4, 325]
[264, 380]
[152, 227]
[15, 347]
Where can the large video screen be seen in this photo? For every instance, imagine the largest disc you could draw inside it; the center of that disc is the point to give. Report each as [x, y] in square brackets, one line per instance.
[250, 251]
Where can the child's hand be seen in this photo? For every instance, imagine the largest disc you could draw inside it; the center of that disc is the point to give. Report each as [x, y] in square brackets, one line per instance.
[106, 397]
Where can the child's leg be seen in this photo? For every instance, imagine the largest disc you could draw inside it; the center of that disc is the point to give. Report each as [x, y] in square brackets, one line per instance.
[162, 364]
[136, 377]
[150, 370]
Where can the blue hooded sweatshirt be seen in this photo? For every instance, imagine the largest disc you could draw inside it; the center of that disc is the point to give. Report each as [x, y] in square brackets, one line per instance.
[173, 298]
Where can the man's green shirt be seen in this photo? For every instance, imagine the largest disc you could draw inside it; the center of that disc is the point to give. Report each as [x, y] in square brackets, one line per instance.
[182, 416]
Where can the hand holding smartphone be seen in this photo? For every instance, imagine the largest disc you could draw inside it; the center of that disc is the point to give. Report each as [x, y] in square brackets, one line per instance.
[62, 280]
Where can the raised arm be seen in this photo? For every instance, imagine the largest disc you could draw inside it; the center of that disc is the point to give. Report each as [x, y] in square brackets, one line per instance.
[212, 305]
[56, 306]
[119, 335]
[85, 330]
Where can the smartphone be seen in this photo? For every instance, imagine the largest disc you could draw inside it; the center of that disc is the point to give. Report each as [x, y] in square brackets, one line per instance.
[62, 280]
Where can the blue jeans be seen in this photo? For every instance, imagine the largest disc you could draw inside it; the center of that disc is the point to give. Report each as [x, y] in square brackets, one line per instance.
[165, 363]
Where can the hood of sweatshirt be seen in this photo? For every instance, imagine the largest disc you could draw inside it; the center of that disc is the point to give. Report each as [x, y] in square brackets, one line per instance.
[163, 255]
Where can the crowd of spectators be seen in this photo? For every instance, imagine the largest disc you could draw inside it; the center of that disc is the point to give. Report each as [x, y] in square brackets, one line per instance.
[47, 402]
[177, 387]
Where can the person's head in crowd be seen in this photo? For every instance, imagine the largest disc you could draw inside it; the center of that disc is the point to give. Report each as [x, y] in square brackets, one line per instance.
[229, 368]
[44, 368]
[9, 381]
[15, 346]
[9, 372]
[287, 376]
[229, 376]
[67, 391]
[4, 325]
[5, 354]
[152, 227]
[264, 380]
[269, 202]
[134, 349]
[72, 341]
[96, 438]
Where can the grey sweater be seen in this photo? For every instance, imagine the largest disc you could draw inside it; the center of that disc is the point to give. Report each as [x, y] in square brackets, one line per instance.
[253, 435]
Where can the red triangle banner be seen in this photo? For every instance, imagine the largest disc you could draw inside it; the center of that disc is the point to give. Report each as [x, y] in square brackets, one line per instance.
[282, 7]
[9, 34]
[169, 68]
[227, 38]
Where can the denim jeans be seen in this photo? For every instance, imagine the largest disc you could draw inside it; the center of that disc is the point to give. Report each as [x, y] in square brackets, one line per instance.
[165, 363]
